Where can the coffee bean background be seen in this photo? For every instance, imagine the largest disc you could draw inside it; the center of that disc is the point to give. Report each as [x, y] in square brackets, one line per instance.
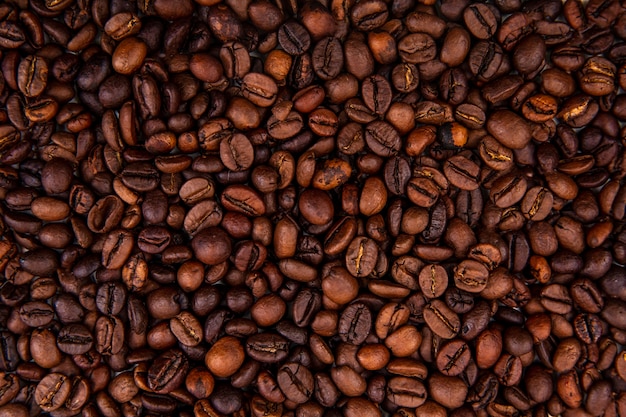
[312, 208]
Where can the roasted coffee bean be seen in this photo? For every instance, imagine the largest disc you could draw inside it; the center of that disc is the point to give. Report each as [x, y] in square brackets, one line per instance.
[361, 256]
[382, 138]
[294, 38]
[8, 354]
[36, 313]
[462, 173]
[167, 371]
[441, 320]
[267, 348]
[355, 323]
[52, 391]
[481, 21]
[433, 280]
[32, 76]
[109, 333]
[186, 328]
[75, 339]
[296, 382]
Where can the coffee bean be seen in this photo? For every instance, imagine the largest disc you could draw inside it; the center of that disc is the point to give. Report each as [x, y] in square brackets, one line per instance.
[453, 358]
[327, 58]
[306, 211]
[441, 320]
[75, 339]
[109, 333]
[462, 173]
[361, 256]
[355, 323]
[481, 21]
[167, 371]
[186, 328]
[294, 38]
[382, 139]
[225, 356]
[296, 382]
[32, 76]
[267, 347]
[52, 391]
[36, 313]
[433, 280]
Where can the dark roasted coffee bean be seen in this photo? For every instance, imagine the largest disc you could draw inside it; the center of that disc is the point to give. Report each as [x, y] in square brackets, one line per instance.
[296, 382]
[267, 347]
[75, 339]
[8, 353]
[481, 21]
[32, 76]
[109, 334]
[462, 173]
[355, 323]
[167, 371]
[294, 38]
[36, 313]
[327, 58]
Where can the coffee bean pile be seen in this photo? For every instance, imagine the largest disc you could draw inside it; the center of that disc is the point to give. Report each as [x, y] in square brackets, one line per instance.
[312, 208]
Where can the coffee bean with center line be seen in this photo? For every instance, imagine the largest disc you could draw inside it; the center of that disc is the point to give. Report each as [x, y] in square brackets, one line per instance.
[441, 320]
[286, 128]
[537, 203]
[453, 357]
[236, 152]
[259, 89]
[462, 173]
[361, 256]
[294, 38]
[52, 391]
[540, 108]
[117, 248]
[296, 382]
[355, 323]
[422, 191]
[32, 76]
[243, 199]
[109, 335]
[495, 155]
[508, 190]
[376, 93]
[36, 313]
[267, 347]
[382, 138]
[433, 280]
[406, 392]
[186, 328]
[167, 371]
[471, 276]
[323, 122]
[75, 339]
[328, 58]
[508, 369]
[480, 20]
[207, 213]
